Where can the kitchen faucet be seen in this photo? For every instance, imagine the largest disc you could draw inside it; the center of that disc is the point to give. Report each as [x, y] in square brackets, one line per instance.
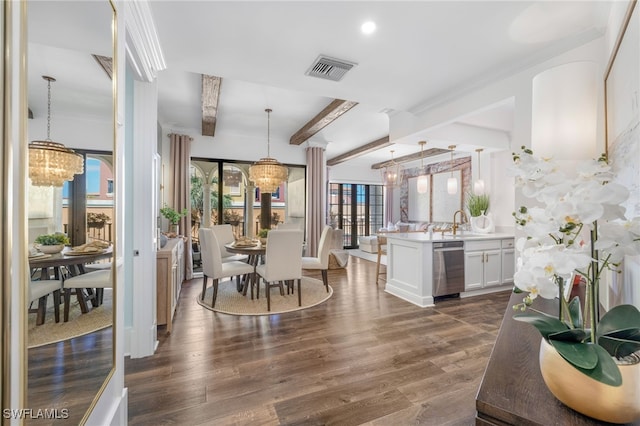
[463, 218]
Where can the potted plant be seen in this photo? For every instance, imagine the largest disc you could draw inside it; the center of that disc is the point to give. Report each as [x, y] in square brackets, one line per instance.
[477, 204]
[275, 218]
[481, 222]
[97, 220]
[173, 217]
[51, 243]
[579, 228]
[262, 234]
[232, 217]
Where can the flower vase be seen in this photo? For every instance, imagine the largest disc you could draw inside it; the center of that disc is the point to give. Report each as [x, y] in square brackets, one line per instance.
[482, 224]
[174, 228]
[614, 404]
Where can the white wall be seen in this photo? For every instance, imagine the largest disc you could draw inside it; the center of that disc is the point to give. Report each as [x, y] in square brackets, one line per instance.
[239, 148]
[75, 133]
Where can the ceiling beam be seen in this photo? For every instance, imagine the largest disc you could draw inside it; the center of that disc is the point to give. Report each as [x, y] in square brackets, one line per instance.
[106, 63]
[431, 152]
[210, 95]
[361, 150]
[332, 112]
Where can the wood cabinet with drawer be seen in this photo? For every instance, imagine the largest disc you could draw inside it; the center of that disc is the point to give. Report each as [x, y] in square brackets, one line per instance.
[170, 274]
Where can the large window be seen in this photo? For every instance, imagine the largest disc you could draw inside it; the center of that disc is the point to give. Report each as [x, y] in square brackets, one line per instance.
[87, 201]
[230, 199]
[357, 209]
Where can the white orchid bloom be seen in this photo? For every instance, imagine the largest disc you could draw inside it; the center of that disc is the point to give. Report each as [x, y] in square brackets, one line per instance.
[558, 235]
[535, 284]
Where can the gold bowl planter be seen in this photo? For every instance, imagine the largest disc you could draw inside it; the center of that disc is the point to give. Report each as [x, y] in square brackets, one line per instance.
[614, 404]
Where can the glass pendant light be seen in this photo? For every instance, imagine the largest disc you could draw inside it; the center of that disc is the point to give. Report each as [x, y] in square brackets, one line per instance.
[452, 183]
[391, 173]
[423, 180]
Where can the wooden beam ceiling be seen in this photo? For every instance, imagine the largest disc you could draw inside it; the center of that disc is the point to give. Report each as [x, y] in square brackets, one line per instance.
[432, 152]
[361, 150]
[210, 95]
[328, 115]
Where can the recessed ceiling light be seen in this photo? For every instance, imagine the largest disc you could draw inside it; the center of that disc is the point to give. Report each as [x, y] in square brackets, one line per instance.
[368, 27]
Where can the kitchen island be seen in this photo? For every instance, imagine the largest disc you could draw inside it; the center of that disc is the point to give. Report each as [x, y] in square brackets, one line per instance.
[488, 264]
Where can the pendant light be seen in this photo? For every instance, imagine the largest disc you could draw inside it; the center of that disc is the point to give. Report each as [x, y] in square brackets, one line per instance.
[391, 173]
[452, 183]
[267, 173]
[51, 163]
[423, 180]
[478, 185]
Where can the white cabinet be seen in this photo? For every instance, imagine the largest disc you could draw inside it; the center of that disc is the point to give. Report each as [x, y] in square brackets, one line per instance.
[482, 264]
[508, 261]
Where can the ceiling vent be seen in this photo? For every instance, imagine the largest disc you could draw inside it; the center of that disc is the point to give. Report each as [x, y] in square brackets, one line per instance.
[329, 68]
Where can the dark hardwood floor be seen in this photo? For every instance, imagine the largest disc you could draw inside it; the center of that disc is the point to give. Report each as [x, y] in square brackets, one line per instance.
[362, 357]
[64, 377]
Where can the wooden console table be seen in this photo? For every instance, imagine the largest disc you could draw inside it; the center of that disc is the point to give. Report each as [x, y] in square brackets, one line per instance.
[169, 277]
[512, 391]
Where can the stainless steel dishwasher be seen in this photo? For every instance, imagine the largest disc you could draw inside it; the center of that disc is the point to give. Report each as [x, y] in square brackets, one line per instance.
[448, 268]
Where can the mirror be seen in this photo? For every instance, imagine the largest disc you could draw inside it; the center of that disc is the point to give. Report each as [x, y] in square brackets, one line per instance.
[68, 362]
[444, 205]
[436, 205]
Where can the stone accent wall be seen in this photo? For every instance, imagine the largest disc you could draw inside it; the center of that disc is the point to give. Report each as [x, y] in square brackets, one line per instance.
[463, 164]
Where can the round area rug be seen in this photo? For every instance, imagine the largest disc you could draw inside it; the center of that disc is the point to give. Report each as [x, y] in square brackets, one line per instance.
[229, 301]
[79, 324]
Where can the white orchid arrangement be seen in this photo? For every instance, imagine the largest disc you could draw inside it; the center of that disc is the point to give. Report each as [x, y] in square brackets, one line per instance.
[579, 229]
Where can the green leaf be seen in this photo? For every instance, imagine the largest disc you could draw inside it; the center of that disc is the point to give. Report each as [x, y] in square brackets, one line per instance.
[606, 371]
[575, 309]
[572, 335]
[546, 324]
[581, 355]
[620, 317]
[618, 347]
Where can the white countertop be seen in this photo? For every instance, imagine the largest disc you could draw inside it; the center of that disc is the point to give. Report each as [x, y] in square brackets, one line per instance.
[437, 236]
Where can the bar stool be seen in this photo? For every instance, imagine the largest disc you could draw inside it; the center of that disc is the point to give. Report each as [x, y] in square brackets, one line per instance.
[382, 249]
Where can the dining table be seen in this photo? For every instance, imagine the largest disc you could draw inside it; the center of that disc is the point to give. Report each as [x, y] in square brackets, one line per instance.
[74, 263]
[254, 252]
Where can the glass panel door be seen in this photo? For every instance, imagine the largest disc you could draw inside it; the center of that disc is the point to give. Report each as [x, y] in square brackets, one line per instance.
[357, 209]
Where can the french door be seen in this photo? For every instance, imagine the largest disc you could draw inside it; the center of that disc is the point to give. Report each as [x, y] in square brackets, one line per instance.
[357, 209]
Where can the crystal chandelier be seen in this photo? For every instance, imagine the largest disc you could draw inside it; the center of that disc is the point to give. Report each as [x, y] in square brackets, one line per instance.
[423, 179]
[51, 163]
[452, 182]
[268, 173]
[391, 173]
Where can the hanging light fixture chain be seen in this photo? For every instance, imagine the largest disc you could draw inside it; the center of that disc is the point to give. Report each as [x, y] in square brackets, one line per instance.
[48, 108]
[268, 111]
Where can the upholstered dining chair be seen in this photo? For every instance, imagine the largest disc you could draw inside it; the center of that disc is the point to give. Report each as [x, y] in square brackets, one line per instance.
[322, 261]
[382, 249]
[40, 290]
[212, 265]
[283, 261]
[288, 225]
[98, 280]
[224, 235]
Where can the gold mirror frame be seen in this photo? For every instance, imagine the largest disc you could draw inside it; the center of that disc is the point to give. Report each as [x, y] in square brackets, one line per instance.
[90, 404]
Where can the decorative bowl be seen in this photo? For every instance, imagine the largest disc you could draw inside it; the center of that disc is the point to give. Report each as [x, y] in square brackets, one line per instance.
[51, 249]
